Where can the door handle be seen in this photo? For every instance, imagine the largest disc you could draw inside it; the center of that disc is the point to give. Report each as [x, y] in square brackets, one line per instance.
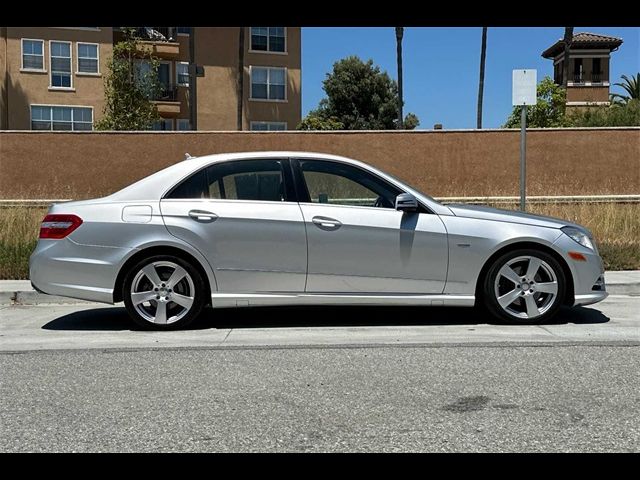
[203, 216]
[326, 223]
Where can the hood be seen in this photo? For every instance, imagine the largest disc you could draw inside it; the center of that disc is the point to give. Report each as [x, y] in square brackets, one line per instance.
[511, 216]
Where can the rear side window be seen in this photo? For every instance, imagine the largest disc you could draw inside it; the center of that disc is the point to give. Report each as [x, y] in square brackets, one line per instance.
[240, 180]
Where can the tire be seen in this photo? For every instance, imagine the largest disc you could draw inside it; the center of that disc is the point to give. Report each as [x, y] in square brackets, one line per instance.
[513, 294]
[155, 300]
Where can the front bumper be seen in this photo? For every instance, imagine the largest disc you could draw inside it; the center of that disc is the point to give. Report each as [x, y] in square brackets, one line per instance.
[588, 275]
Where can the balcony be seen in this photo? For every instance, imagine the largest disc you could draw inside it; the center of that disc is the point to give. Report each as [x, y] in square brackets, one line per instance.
[160, 41]
[166, 100]
[593, 77]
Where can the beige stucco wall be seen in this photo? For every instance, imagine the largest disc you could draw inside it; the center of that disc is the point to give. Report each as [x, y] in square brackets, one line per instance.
[441, 163]
[28, 88]
[217, 51]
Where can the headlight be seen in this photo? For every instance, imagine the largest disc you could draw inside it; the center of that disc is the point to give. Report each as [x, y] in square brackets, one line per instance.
[579, 236]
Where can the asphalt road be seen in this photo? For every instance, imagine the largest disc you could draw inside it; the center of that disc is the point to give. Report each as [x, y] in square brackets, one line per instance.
[77, 378]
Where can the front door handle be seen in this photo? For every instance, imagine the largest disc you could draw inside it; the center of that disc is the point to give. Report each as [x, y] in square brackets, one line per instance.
[203, 216]
[326, 223]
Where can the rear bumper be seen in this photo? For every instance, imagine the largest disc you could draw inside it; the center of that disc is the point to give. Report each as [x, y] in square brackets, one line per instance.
[68, 269]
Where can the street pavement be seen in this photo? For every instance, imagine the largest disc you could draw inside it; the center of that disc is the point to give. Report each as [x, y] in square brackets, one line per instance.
[82, 378]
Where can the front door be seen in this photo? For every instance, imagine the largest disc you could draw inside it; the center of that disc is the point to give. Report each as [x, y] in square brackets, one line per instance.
[359, 242]
[240, 216]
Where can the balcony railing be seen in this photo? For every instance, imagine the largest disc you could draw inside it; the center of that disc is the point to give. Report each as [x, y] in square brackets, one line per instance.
[167, 93]
[578, 77]
[597, 77]
[157, 34]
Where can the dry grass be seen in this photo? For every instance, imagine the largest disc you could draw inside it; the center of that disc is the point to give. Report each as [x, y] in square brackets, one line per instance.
[616, 228]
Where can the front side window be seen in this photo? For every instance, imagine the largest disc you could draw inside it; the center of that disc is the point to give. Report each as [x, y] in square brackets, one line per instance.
[268, 83]
[45, 117]
[61, 64]
[241, 180]
[341, 184]
[87, 58]
[268, 39]
[33, 54]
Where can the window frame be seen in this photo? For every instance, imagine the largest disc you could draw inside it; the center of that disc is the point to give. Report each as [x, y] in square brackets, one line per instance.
[51, 86]
[267, 51]
[51, 106]
[177, 74]
[268, 122]
[290, 192]
[269, 68]
[35, 70]
[88, 74]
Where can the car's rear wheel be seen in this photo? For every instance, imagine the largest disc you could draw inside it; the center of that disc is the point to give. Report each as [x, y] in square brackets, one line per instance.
[524, 286]
[163, 292]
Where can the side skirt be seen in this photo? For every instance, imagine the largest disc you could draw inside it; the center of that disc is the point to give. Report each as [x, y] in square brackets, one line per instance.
[283, 299]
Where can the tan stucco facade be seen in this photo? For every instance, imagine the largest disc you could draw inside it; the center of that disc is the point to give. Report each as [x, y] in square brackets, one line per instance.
[25, 88]
[217, 51]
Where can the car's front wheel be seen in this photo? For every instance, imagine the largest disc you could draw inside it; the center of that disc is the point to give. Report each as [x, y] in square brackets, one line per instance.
[524, 286]
[163, 292]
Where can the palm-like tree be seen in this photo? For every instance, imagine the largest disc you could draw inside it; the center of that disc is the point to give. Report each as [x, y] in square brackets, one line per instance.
[568, 39]
[240, 79]
[631, 86]
[399, 35]
[483, 58]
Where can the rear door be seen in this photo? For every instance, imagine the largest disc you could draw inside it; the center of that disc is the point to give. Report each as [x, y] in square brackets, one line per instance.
[243, 217]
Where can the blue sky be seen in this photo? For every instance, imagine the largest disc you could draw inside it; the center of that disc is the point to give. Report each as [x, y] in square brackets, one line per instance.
[441, 65]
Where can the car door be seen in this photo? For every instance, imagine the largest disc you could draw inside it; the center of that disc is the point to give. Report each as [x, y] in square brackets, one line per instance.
[242, 216]
[358, 241]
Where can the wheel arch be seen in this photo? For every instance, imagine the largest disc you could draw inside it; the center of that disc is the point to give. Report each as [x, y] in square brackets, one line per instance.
[159, 250]
[569, 295]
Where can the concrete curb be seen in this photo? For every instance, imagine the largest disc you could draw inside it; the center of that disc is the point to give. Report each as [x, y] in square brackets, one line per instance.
[31, 297]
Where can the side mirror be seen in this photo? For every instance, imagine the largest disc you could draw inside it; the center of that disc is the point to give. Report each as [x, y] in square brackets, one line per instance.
[405, 202]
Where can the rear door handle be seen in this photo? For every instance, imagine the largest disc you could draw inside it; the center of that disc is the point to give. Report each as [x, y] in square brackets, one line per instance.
[203, 216]
[326, 223]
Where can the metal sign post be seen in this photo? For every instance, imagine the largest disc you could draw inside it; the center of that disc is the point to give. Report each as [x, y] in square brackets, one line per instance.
[524, 93]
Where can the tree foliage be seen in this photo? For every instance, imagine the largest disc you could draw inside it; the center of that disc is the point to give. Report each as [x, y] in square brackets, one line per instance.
[359, 97]
[128, 88]
[631, 86]
[549, 110]
[617, 115]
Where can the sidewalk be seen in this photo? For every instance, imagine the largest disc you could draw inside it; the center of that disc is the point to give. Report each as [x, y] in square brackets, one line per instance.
[19, 292]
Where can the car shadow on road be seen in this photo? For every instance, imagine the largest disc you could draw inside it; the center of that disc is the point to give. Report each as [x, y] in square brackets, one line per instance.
[116, 318]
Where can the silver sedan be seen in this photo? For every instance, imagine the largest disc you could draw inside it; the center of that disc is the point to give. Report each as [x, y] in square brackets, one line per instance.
[294, 228]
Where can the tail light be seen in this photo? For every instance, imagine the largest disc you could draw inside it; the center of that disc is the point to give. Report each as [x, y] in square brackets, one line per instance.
[58, 226]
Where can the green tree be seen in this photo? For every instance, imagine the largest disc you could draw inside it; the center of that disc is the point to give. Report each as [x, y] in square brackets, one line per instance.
[360, 97]
[313, 121]
[617, 115]
[549, 110]
[631, 86]
[130, 88]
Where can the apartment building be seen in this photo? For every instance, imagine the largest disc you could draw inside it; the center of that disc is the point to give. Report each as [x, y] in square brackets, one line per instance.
[52, 77]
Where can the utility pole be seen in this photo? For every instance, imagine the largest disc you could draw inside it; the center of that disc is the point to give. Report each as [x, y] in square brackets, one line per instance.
[399, 35]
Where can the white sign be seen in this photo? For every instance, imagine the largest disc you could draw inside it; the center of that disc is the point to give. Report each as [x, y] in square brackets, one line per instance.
[524, 87]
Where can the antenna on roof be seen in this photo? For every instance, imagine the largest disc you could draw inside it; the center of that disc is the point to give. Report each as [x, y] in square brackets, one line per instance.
[187, 156]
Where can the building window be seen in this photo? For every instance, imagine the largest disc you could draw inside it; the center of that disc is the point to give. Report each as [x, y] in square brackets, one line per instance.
[182, 74]
[60, 53]
[32, 54]
[184, 124]
[577, 70]
[88, 58]
[164, 124]
[268, 39]
[51, 117]
[268, 126]
[183, 30]
[268, 83]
